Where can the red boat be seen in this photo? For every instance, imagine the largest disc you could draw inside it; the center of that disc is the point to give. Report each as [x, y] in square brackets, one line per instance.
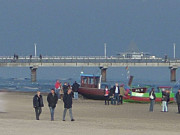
[91, 87]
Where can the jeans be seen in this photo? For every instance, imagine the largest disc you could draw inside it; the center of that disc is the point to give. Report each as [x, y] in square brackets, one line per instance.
[52, 112]
[151, 108]
[70, 113]
[164, 106]
[38, 111]
[57, 92]
[75, 95]
[116, 98]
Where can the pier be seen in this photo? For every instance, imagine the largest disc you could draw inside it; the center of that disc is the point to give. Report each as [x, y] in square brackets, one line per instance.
[88, 61]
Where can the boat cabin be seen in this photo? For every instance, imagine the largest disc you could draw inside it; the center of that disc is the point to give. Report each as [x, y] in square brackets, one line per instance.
[90, 81]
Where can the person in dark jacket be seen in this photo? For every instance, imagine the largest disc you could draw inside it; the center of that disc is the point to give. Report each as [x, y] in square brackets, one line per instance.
[116, 93]
[37, 104]
[68, 103]
[75, 89]
[178, 100]
[52, 99]
[65, 87]
[164, 101]
[152, 98]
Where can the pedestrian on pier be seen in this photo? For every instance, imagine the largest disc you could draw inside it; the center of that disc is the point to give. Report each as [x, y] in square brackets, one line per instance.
[152, 98]
[52, 101]
[68, 103]
[178, 100]
[38, 104]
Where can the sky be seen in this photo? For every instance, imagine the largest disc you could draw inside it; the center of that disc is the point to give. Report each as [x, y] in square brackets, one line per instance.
[81, 27]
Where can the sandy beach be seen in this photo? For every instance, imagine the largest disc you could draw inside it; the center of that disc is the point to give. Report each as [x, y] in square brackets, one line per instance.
[17, 117]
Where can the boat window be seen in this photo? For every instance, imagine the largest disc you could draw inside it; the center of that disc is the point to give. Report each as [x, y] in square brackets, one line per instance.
[90, 81]
[85, 80]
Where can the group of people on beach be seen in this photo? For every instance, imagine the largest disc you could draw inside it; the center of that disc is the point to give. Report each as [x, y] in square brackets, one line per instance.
[64, 92]
[115, 95]
[165, 100]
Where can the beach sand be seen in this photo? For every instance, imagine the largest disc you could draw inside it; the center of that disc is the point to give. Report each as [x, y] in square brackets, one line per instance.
[92, 117]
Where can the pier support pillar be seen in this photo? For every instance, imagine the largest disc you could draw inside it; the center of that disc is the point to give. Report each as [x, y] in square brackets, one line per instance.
[103, 73]
[173, 73]
[33, 73]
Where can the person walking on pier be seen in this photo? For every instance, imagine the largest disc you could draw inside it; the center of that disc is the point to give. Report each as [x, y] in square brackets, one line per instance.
[178, 100]
[152, 98]
[68, 104]
[52, 101]
[75, 89]
[116, 93]
[38, 104]
[122, 92]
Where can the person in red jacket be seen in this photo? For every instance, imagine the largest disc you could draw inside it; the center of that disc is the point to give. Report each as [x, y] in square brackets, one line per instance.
[57, 88]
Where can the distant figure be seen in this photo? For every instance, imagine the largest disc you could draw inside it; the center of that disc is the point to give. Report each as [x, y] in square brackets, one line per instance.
[152, 98]
[30, 56]
[57, 88]
[68, 104]
[37, 104]
[106, 94]
[52, 101]
[111, 95]
[65, 87]
[40, 56]
[122, 93]
[164, 101]
[178, 100]
[116, 93]
[75, 88]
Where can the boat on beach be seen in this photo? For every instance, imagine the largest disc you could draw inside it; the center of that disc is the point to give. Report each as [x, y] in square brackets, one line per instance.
[91, 87]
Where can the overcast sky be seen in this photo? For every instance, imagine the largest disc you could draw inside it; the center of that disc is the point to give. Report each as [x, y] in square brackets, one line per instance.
[81, 27]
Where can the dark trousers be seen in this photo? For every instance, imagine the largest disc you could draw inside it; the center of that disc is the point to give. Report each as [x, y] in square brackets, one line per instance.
[121, 99]
[106, 99]
[178, 107]
[38, 111]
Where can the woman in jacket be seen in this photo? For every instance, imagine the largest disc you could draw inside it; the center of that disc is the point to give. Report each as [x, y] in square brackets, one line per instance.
[164, 101]
[152, 98]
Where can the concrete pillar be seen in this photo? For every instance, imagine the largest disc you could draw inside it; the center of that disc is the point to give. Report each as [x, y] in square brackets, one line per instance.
[33, 74]
[173, 73]
[103, 73]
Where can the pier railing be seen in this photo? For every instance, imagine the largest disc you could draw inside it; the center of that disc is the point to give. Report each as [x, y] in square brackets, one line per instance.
[85, 61]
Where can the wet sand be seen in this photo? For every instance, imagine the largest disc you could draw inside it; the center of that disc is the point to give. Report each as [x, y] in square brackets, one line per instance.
[92, 117]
